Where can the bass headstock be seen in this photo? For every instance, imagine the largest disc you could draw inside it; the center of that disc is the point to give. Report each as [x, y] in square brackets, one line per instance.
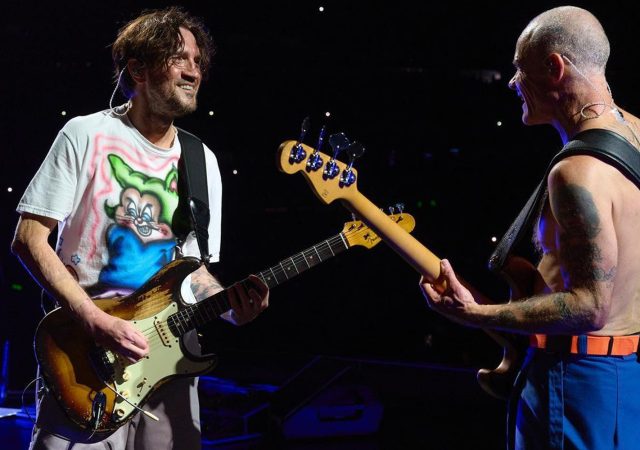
[329, 177]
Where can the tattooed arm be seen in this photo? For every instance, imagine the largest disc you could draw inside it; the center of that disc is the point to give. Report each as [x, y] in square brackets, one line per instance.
[586, 248]
[246, 304]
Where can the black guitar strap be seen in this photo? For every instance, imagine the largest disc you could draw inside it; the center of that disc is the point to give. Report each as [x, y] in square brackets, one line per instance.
[605, 145]
[192, 179]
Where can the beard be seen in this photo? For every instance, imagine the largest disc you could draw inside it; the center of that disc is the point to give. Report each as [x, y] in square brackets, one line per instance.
[166, 99]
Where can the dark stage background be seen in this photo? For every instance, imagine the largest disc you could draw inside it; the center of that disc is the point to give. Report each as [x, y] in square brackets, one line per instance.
[422, 85]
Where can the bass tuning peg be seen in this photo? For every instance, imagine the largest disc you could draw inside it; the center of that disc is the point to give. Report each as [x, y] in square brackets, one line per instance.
[355, 150]
[298, 154]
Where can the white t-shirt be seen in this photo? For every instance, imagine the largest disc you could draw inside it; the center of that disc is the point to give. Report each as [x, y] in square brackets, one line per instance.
[114, 194]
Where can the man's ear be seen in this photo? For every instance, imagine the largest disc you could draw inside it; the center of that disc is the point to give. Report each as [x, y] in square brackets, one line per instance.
[136, 70]
[555, 65]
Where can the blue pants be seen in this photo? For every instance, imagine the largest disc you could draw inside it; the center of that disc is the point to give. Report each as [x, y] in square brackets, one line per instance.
[572, 402]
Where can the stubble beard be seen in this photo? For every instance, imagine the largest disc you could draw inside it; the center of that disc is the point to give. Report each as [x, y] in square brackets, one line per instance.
[167, 102]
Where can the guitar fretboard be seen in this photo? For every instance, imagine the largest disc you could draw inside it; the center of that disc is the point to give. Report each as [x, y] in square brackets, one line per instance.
[212, 307]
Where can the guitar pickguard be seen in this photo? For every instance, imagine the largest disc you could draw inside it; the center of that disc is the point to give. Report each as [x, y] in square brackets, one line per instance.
[134, 382]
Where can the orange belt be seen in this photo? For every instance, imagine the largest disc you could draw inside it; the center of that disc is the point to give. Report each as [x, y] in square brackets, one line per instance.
[587, 345]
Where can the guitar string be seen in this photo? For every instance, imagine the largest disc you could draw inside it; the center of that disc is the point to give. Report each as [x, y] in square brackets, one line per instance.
[278, 271]
[297, 259]
[153, 336]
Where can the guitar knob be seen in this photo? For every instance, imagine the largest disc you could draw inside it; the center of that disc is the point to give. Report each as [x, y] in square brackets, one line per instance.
[126, 375]
[125, 394]
[119, 413]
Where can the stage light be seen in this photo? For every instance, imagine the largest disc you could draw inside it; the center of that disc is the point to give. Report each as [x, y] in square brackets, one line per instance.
[63, 113]
[211, 113]
[494, 239]
[328, 114]
[235, 172]
[321, 9]
[499, 123]
[9, 189]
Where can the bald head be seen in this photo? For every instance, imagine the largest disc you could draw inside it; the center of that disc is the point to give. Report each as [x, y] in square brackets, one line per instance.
[570, 31]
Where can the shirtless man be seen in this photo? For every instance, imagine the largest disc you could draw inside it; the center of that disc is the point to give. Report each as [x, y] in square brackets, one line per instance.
[586, 394]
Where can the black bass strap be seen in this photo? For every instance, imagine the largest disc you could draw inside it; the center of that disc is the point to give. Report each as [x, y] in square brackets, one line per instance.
[605, 145]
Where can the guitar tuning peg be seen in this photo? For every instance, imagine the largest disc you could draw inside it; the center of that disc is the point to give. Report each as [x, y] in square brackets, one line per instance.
[321, 138]
[338, 143]
[304, 128]
[353, 217]
[400, 207]
[315, 160]
[391, 210]
[356, 150]
[297, 152]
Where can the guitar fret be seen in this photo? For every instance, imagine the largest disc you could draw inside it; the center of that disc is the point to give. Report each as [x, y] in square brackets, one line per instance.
[198, 317]
[274, 275]
[179, 325]
[304, 258]
[329, 245]
[268, 279]
[325, 251]
[344, 242]
[310, 258]
[283, 270]
[187, 319]
[294, 266]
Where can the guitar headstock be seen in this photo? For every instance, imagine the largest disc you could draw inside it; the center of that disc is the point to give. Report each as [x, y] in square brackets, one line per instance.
[329, 178]
[358, 233]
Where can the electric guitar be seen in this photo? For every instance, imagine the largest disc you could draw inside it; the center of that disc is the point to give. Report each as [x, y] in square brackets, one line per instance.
[99, 390]
[331, 179]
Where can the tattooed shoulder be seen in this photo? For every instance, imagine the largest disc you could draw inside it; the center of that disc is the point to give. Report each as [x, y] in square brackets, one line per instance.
[576, 211]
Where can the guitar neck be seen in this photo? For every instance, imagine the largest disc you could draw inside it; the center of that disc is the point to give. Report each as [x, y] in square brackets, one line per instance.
[212, 307]
[416, 254]
[304, 260]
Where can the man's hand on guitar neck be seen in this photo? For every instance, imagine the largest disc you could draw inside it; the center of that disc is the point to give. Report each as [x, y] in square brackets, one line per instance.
[112, 332]
[248, 299]
[456, 302]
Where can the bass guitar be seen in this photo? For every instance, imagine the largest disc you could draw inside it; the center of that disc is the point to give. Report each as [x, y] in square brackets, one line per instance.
[331, 179]
[99, 390]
